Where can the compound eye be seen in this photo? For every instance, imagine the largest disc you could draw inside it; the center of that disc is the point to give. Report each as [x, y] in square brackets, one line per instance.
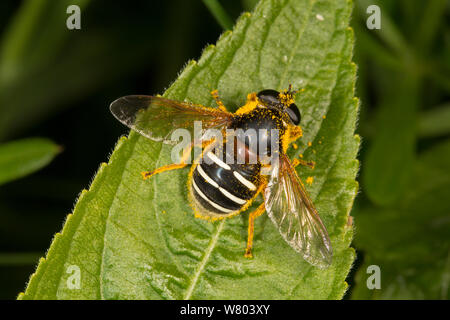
[294, 114]
[269, 96]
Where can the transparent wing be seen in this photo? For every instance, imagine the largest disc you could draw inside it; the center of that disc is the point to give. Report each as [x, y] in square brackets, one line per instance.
[292, 211]
[156, 117]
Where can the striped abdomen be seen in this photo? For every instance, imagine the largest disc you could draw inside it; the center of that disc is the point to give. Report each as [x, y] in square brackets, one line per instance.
[220, 188]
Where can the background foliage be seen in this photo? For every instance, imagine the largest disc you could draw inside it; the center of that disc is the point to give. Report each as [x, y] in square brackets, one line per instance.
[54, 80]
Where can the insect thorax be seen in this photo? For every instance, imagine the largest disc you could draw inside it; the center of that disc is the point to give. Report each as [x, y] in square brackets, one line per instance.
[268, 125]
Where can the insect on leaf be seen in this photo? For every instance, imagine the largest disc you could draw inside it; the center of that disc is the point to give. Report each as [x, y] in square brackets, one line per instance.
[135, 239]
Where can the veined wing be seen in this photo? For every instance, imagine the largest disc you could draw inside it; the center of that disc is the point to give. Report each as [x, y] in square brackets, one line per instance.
[292, 211]
[157, 118]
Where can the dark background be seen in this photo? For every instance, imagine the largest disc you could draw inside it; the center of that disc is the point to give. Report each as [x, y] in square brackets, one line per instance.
[68, 78]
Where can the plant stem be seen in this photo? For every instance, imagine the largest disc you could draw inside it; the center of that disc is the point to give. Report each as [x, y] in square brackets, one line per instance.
[435, 122]
[219, 13]
[19, 258]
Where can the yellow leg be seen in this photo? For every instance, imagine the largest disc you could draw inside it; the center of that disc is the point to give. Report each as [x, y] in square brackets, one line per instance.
[215, 95]
[148, 174]
[251, 228]
[186, 154]
[310, 164]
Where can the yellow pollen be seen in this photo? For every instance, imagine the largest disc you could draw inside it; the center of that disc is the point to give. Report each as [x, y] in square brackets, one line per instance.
[309, 180]
[252, 102]
[286, 98]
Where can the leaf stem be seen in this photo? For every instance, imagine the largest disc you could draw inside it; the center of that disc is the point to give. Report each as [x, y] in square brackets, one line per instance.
[219, 13]
[435, 122]
[19, 259]
[430, 24]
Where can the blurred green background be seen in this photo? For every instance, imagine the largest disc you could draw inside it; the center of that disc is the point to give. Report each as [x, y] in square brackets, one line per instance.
[57, 84]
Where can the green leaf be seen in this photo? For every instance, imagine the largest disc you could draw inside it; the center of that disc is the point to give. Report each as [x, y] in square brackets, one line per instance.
[409, 242]
[431, 22]
[389, 160]
[31, 39]
[29, 46]
[435, 121]
[22, 157]
[135, 239]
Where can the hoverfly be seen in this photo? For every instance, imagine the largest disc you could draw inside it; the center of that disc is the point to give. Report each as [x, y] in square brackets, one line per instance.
[221, 189]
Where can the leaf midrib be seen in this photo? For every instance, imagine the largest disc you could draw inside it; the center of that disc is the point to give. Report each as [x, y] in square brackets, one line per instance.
[211, 245]
[203, 263]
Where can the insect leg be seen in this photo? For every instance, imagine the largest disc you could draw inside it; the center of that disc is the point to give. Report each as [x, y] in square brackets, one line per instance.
[251, 228]
[148, 174]
[310, 164]
[215, 95]
[186, 153]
